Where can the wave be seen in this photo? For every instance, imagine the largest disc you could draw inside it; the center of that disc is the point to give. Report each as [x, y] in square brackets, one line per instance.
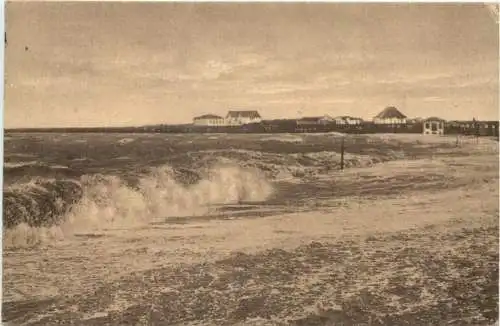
[14, 165]
[47, 210]
[287, 138]
[40, 202]
[286, 166]
[65, 202]
[10, 165]
[125, 141]
[18, 155]
[17, 172]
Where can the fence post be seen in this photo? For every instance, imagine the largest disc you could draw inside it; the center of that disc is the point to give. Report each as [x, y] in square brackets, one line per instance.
[342, 154]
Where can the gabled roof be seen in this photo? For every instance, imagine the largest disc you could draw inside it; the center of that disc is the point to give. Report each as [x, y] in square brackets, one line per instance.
[346, 117]
[243, 114]
[390, 113]
[208, 116]
[434, 119]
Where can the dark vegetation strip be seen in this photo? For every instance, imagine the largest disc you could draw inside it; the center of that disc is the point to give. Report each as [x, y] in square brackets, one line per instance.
[279, 126]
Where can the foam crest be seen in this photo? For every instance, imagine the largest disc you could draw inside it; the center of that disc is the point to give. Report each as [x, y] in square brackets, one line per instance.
[109, 202]
[24, 235]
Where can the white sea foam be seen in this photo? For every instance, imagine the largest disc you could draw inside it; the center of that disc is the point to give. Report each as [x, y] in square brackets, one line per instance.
[8, 165]
[110, 203]
[290, 166]
[284, 138]
[11, 165]
[124, 141]
[19, 155]
[58, 166]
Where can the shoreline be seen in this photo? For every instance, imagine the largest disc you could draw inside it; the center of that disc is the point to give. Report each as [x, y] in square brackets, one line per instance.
[295, 235]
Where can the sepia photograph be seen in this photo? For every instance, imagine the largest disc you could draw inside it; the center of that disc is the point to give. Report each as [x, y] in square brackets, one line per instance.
[250, 163]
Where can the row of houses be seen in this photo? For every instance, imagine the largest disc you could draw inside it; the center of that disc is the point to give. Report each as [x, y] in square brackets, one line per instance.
[390, 116]
[233, 118]
[238, 118]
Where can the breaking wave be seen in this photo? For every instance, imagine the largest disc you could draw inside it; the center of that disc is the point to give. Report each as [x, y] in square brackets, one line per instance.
[48, 210]
[290, 138]
[30, 172]
[125, 141]
[289, 166]
[30, 164]
[64, 202]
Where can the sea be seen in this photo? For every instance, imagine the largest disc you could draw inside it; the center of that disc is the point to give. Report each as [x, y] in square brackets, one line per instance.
[80, 181]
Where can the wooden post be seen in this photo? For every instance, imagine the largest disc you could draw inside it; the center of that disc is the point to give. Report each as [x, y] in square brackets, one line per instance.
[476, 130]
[342, 154]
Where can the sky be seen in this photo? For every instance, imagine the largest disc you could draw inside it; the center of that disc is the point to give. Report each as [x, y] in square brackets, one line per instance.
[75, 64]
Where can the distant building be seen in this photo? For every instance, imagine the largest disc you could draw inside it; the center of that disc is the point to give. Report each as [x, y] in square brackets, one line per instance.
[414, 120]
[238, 118]
[489, 128]
[280, 125]
[347, 120]
[433, 126]
[474, 127]
[209, 120]
[314, 121]
[461, 124]
[390, 115]
[489, 124]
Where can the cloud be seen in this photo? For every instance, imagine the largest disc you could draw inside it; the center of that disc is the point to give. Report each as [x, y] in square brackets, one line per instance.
[105, 60]
[274, 89]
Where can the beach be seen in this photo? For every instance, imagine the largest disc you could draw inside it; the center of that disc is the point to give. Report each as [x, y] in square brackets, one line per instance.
[253, 230]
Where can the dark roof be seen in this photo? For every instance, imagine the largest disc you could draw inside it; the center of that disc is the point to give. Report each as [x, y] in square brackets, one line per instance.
[344, 117]
[390, 112]
[434, 119]
[208, 116]
[474, 121]
[243, 114]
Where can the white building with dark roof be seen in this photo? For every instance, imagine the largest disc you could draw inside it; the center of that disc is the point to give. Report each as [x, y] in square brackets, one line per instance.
[390, 115]
[238, 118]
[347, 120]
[209, 120]
[433, 126]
